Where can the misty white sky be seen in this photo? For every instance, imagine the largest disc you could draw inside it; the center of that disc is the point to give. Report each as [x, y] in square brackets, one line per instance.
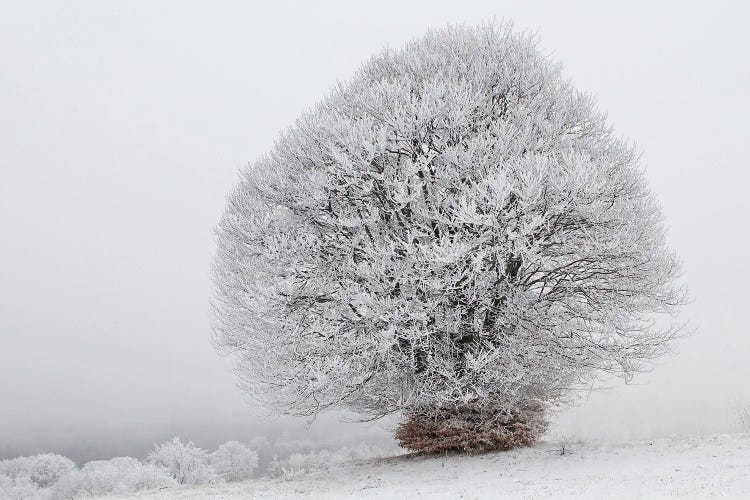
[123, 125]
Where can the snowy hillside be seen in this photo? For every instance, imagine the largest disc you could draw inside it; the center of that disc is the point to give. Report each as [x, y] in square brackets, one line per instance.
[715, 466]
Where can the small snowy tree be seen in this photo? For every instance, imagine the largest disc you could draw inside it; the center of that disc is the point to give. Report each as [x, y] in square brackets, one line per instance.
[185, 462]
[16, 467]
[234, 461]
[121, 475]
[18, 488]
[457, 235]
[47, 468]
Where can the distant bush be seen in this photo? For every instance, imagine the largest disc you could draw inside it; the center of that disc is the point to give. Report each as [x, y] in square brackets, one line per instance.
[42, 470]
[18, 487]
[121, 475]
[54, 477]
[47, 468]
[304, 462]
[185, 462]
[234, 461]
[14, 467]
[562, 443]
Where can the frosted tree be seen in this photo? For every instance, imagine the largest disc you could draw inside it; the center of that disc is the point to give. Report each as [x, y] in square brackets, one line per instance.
[234, 461]
[47, 468]
[120, 476]
[455, 235]
[185, 462]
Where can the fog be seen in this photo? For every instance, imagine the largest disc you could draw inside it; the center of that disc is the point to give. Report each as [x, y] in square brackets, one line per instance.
[123, 126]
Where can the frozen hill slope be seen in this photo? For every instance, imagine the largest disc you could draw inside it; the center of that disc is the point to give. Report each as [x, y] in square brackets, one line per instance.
[714, 466]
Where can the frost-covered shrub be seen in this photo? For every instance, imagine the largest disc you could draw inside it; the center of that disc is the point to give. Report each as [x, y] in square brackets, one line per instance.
[43, 469]
[29, 477]
[308, 461]
[185, 462]
[74, 484]
[472, 431]
[294, 464]
[321, 459]
[365, 451]
[18, 487]
[19, 466]
[120, 475]
[563, 443]
[47, 468]
[456, 233]
[234, 461]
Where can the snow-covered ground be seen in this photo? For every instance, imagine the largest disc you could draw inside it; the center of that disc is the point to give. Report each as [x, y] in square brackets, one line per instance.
[714, 466]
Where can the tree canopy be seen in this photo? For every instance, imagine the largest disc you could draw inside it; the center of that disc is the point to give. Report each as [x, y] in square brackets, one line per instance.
[456, 225]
